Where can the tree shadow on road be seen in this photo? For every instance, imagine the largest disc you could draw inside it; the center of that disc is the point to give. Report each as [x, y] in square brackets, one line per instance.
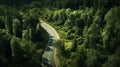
[48, 48]
[46, 63]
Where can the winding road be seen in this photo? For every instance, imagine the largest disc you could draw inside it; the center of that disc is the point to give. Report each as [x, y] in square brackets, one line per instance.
[49, 55]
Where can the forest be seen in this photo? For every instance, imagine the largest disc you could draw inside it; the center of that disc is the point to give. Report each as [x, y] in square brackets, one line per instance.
[89, 32]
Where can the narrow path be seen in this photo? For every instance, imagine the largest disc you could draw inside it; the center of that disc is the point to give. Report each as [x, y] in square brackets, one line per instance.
[49, 55]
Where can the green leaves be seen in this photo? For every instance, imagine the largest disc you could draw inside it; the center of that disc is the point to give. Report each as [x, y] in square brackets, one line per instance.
[92, 58]
[113, 61]
[25, 52]
[15, 48]
[17, 28]
[112, 30]
[8, 24]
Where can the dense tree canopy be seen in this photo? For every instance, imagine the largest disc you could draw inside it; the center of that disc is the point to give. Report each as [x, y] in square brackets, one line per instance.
[94, 26]
[89, 31]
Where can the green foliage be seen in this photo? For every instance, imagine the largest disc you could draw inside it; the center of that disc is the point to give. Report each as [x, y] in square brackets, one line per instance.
[16, 50]
[25, 35]
[93, 58]
[21, 39]
[112, 29]
[90, 30]
[113, 61]
[78, 58]
[2, 25]
[30, 22]
[93, 26]
[24, 53]
[8, 24]
[5, 50]
[17, 27]
[92, 36]
[60, 45]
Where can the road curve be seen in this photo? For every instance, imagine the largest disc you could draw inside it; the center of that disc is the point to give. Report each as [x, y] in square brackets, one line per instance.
[49, 55]
[50, 30]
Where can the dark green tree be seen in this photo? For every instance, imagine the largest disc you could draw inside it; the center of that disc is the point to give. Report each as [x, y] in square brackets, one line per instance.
[112, 30]
[17, 28]
[17, 52]
[92, 58]
[8, 24]
[113, 61]
[2, 24]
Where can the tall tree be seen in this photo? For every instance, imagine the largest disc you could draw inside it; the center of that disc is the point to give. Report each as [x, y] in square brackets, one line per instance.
[17, 28]
[8, 24]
